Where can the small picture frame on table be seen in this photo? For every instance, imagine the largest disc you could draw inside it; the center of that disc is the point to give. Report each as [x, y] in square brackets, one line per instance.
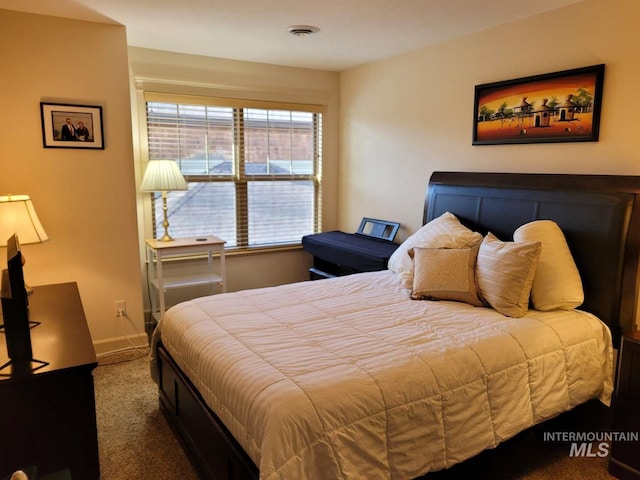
[71, 126]
[380, 229]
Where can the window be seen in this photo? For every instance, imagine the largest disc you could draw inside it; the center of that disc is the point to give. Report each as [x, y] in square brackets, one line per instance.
[253, 170]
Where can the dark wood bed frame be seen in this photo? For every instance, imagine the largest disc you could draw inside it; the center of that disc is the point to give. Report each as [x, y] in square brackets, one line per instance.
[599, 214]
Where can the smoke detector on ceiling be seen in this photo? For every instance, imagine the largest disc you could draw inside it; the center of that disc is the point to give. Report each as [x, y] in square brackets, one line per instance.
[302, 30]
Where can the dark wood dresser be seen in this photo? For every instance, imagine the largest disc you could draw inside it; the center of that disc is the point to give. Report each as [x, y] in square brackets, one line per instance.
[48, 416]
[624, 462]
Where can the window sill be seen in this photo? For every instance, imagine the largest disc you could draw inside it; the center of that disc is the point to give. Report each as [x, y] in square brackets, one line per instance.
[238, 251]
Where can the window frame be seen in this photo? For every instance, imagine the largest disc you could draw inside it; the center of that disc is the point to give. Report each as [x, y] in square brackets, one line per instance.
[239, 178]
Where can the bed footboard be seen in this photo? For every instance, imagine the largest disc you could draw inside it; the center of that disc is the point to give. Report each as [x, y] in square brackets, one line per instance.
[211, 448]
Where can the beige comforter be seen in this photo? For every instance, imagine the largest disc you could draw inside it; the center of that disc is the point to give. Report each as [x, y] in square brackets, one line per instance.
[349, 378]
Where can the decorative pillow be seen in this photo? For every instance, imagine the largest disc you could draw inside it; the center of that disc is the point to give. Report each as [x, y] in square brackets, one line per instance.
[557, 284]
[446, 231]
[445, 274]
[504, 272]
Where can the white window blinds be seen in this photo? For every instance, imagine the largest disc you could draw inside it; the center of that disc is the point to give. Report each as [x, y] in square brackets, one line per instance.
[253, 169]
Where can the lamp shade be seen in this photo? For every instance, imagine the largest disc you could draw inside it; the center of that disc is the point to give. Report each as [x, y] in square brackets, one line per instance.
[18, 216]
[163, 176]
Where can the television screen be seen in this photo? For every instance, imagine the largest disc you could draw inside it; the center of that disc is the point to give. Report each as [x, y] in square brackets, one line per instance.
[16, 287]
[14, 305]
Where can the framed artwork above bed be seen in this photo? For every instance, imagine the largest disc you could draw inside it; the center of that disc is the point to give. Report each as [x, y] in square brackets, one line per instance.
[553, 107]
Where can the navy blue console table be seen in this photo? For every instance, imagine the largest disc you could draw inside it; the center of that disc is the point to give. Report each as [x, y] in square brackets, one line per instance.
[338, 253]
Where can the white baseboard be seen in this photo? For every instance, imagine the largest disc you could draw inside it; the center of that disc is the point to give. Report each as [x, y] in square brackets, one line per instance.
[116, 344]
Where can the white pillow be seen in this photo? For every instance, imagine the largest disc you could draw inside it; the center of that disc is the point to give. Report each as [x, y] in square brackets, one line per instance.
[446, 231]
[505, 272]
[557, 284]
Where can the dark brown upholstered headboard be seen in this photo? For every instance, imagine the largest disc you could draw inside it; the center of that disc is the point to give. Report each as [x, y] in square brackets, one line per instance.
[599, 214]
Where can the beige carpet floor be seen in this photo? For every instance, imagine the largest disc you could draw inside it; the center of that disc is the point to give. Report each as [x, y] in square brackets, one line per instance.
[136, 442]
[134, 439]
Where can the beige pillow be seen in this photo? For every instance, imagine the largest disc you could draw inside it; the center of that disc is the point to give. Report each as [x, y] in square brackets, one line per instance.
[504, 272]
[445, 274]
[446, 231]
[557, 284]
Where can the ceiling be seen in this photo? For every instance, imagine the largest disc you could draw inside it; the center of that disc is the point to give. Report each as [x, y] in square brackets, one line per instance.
[352, 32]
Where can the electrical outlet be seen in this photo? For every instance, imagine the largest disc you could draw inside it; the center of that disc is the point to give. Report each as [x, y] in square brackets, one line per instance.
[120, 308]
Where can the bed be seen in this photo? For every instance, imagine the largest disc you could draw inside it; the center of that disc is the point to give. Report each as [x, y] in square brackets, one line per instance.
[351, 377]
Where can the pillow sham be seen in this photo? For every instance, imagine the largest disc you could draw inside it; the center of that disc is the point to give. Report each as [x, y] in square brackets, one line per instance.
[557, 284]
[505, 272]
[445, 231]
[445, 274]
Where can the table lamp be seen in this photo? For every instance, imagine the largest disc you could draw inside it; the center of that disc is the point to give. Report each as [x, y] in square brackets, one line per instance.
[17, 216]
[163, 176]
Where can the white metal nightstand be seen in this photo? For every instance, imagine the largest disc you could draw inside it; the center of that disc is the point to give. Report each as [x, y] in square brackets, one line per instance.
[158, 250]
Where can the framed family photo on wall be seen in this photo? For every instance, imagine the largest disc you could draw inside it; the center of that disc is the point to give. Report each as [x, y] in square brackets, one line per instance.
[554, 107]
[71, 126]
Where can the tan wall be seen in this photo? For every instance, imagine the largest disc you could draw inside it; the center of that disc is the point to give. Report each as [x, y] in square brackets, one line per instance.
[84, 198]
[405, 117]
[154, 70]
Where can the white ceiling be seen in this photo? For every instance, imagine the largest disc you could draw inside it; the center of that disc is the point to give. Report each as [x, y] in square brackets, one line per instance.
[352, 32]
